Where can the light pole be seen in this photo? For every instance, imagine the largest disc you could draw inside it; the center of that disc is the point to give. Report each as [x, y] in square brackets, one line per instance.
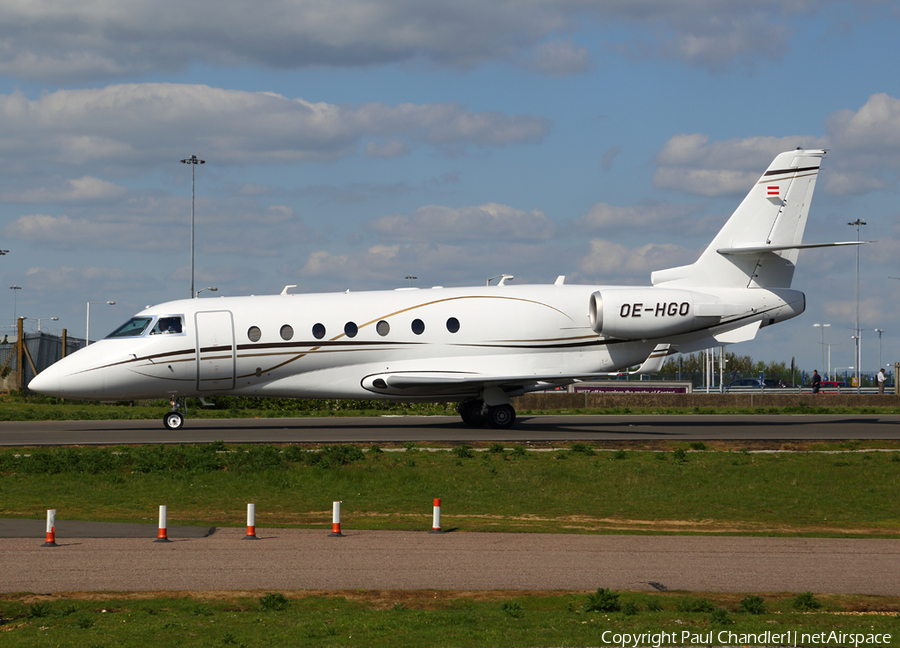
[411, 279]
[858, 337]
[87, 329]
[879, 331]
[823, 327]
[14, 289]
[209, 288]
[193, 161]
[55, 319]
[829, 345]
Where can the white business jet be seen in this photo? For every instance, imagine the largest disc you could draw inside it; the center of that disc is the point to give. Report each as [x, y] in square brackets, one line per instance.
[478, 346]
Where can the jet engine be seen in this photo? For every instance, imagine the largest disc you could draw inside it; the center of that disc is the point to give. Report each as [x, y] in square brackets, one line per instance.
[649, 313]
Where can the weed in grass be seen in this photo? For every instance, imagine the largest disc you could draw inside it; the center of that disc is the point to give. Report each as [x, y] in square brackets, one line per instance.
[39, 610]
[581, 448]
[895, 456]
[679, 456]
[806, 601]
[273, 602]
[410, 463]
[410, 446]
[752, 605]
[630, 608]
[603, 600]
[464, 452]
[561, 455]
[375, 449]
[688, 605]
[698, 445]
[519, 453]
[719, 617]
[653, 605]
[84, 622]
[513, 609]
[496, 448]
[661, 456]
[620, 454]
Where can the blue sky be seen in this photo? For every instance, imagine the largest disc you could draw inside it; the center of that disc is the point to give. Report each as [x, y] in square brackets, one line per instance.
[350, 143]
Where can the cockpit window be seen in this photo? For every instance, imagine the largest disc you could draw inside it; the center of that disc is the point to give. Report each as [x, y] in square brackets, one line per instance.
[167, 326]
[132, 328]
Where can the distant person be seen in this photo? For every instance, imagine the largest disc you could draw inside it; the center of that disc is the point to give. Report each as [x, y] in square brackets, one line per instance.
[816, 382]
[880, 379]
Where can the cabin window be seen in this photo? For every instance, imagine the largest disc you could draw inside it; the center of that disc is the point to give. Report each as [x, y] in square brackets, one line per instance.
[453, 325]
[351, 329]
[132, 328]
[254, 333]
[383, 328]
[287, 332]
[167, 326]
[318, 331]
[418, 326]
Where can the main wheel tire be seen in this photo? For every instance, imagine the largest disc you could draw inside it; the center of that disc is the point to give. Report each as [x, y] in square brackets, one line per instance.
[173, 420]
[501, 417]
[472, 412]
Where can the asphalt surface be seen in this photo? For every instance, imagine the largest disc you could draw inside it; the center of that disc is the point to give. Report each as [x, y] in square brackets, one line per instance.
[292, 559]
[403, 429]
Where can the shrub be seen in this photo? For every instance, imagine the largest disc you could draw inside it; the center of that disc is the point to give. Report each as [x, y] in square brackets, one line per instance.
[653, 605]
[496, 448]
[752, 605]
[273, 602]
[806, 601]
[679, 456]
[39, 610]
[695, 605]
[719, 617]
[581, 448]
[518, 451]
[630, 608]
[513, 609]
[603, 600]
[620, 454]
[463, 452]
[698, 445]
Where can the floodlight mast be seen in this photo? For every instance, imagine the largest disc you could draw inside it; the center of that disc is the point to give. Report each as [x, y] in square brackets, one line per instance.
[193, 161]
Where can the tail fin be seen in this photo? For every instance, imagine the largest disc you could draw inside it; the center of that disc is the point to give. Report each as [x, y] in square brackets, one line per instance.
[759, 245]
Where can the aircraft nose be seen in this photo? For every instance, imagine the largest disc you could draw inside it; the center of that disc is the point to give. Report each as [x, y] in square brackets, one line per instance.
[46, 382]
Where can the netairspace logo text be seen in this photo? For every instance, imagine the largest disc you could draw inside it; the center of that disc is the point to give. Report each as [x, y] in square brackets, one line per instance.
[729, 638]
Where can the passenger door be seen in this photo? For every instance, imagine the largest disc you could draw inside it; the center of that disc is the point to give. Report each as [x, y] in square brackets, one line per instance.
[215, 350]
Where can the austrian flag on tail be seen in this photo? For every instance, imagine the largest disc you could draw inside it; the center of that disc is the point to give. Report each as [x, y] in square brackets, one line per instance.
[773, 190]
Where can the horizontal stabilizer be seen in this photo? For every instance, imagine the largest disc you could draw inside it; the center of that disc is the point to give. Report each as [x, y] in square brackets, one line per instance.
[776, 248]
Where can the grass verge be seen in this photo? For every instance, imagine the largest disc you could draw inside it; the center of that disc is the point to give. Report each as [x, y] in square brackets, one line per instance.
[579, 489]
[419, 619]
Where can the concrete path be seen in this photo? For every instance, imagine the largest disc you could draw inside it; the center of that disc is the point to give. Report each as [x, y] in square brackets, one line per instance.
[290, 559]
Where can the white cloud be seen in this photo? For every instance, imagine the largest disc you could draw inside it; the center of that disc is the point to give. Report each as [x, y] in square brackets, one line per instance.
[62, 41]
[559, 58]
[435, 223]
[139, 125]
[608, 259]
[649, 216]
[84, 189]
[104, 279]
[693, 164]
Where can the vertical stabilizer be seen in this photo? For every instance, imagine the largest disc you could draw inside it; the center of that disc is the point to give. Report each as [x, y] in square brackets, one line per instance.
[773, 215]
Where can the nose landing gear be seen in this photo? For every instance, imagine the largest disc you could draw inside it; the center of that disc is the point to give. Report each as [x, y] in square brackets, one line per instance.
[174, 420]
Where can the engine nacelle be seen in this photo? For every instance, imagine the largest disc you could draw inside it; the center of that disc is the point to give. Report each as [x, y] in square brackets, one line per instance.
[641, 314]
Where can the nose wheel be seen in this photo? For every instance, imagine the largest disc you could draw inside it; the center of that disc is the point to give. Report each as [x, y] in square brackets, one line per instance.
[174, 420]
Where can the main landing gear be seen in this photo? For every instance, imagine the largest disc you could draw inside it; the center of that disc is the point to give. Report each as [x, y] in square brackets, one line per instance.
[476, 412]
[174, 420]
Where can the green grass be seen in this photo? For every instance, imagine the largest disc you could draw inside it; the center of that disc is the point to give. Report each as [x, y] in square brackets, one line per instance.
[418, 619]
[31, 407]
[565, 490]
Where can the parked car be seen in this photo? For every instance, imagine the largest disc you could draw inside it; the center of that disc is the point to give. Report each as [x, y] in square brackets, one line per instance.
[751, 383]
[834, 384]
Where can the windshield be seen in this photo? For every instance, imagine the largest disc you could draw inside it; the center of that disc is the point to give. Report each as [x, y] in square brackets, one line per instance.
[132, 328]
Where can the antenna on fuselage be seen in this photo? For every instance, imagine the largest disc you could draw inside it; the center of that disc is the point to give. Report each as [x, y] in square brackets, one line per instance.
[286, 288]
[501, 277]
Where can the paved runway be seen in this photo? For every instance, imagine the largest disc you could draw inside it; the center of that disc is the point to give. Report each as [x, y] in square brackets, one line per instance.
[310, 560]
[384, 429]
